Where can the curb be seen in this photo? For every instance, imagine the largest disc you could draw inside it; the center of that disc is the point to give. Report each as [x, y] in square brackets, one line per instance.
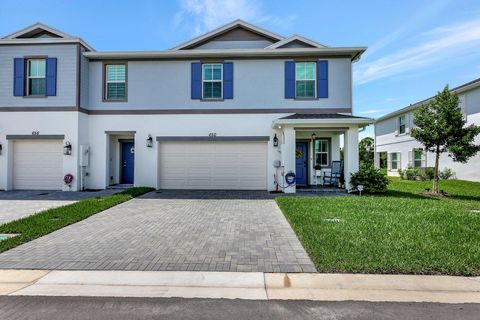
[242, 285]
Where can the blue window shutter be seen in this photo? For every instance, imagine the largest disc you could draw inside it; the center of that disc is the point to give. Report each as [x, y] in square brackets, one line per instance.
[228, 80]
[289, 79]
[322, 79]
[196, 80]
[51, 77]
[18, 77]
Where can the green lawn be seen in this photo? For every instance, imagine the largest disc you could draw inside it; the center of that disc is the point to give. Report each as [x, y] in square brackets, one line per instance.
[400, 232]
[47, 221]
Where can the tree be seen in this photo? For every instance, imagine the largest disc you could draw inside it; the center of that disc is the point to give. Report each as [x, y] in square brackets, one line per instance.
[441, 128]
[366, 149]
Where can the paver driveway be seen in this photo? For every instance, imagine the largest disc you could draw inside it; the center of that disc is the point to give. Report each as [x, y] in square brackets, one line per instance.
[18, 204]
[158, 231]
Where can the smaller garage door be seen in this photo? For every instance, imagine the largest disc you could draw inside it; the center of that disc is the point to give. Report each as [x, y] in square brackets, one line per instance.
[37, 164]
[213, 165]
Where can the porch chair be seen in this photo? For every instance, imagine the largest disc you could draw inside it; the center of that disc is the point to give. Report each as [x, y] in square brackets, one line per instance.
[330, 178]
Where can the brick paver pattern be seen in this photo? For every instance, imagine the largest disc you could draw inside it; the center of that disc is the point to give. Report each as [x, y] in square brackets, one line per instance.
[151, 233]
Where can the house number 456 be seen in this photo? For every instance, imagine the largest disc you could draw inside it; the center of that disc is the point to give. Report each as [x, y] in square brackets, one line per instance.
[35, 133]
[212, 134]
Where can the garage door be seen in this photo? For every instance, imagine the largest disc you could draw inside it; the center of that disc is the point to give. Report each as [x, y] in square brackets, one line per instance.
[213, 165]
[37, 164]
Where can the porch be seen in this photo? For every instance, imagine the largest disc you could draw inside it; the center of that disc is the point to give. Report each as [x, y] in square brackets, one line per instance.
[310, 147]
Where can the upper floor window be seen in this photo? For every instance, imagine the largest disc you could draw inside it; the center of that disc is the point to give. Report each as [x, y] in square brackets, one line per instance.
[305, 79]
[212, 78]
[402, 125]
[115, 82]
[322, 152]
[36, 70]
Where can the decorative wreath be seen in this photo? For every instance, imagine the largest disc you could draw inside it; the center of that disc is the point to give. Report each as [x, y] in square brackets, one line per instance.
[68, 179]
[290, 178]
[298, 153]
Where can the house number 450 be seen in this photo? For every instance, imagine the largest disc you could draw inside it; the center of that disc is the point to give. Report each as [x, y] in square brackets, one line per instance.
[212, 134]
[35, 133]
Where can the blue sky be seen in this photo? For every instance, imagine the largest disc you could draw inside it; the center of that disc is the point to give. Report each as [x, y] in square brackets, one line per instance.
[415, 47]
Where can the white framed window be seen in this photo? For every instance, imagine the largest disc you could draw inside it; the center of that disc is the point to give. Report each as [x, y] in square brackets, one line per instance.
[394, 161]
[417, 158]
[212, 81]
[36, 81]
[322, 152]
[305, 79]
[402, 124]
[115, 82]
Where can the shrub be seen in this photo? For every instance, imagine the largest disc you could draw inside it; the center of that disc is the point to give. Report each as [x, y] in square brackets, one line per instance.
[372, 179]
[446, 174]
[401, 174]
[411, 173]
[429, 173]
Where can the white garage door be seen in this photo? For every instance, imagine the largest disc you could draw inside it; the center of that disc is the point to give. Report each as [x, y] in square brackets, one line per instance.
[37, 164]
[213, 165]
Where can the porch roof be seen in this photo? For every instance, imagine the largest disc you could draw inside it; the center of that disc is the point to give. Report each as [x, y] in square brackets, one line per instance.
[322, 118]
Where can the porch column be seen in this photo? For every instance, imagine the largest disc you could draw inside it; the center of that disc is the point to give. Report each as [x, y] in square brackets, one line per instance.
[351, 157]
[288, 157]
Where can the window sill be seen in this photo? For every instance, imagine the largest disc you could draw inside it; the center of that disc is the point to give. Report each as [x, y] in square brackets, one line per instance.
[306, 99]
[114, 100]
[35, 96]
[211, 100]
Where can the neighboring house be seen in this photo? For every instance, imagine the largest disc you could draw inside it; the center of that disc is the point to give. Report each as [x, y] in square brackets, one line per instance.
[392, 137]
[234, 108]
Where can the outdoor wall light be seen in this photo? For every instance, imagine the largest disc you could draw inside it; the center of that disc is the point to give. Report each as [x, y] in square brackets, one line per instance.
[314, 136]
[149, 141]
[67, 148]
[0, 148]
[275, 140]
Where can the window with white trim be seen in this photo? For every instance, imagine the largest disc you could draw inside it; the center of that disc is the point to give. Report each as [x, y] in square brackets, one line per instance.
[322, 152]
[305, 79]
[212, 78]
[115, 82]
[402, 124]
[36, 69]
[394, 161]
[417, 158]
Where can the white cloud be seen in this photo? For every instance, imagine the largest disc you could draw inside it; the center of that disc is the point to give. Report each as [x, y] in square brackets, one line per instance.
[440, 44]
[371, 111]
[205, 15]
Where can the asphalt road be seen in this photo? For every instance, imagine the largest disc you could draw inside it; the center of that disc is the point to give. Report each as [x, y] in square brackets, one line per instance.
[64, 308]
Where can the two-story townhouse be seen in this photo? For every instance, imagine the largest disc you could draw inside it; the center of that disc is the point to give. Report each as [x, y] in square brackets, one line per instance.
[392, 137]
[236, 108]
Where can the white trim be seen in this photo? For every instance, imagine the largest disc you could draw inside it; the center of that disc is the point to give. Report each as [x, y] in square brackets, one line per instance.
[314, 79]
[353, 52]
[45, 41]
[38, 25]
[225, 28]
[213, 81]
[296, 37]
[321, 152]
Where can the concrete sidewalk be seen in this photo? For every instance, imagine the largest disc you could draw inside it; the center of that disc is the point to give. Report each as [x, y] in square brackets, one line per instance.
[242, 285]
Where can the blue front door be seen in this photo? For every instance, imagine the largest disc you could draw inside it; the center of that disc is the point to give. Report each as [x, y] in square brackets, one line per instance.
[128, 162]
[301, 163]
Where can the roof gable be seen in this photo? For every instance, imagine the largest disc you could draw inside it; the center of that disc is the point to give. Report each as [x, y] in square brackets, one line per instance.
[296, 41]
[38, 30]
[237, 30]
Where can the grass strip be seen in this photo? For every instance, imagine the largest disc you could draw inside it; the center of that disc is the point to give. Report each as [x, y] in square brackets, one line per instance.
[45, 222]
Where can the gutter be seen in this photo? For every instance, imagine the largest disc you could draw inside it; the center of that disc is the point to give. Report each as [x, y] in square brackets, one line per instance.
[231, 53]
[363, 122]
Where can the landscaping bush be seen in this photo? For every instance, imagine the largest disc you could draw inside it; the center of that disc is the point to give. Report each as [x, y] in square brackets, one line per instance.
[429, 173]
[372, 179]
[446, 174]
[412, 173]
